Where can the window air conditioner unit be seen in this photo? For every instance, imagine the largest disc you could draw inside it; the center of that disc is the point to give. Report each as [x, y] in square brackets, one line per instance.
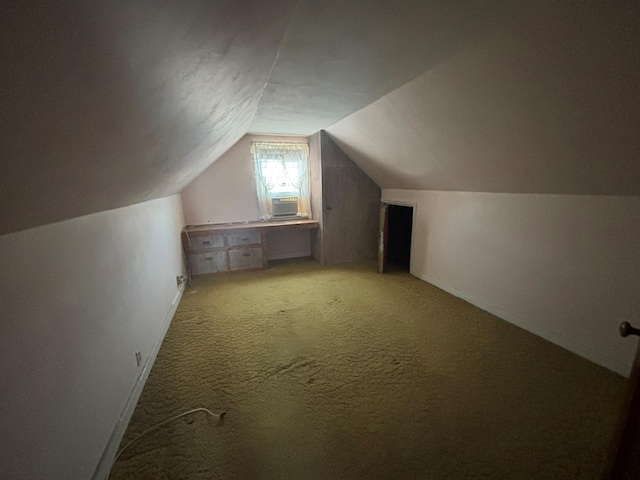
[285, 206]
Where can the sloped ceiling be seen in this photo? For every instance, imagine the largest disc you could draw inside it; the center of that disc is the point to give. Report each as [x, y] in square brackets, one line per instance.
[109, 103]
[550, 103]
[338, 56]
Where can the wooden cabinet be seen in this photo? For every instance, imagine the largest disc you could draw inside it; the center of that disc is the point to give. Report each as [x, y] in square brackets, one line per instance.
[245, 258]
[210, 252]
[208, 262]
[243, 238]
[346, 203]
[210, 241]
[232, 247]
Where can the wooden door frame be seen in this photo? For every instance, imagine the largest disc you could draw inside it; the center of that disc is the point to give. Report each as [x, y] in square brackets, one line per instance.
[383, 240]
[623, 461]
[383, 237]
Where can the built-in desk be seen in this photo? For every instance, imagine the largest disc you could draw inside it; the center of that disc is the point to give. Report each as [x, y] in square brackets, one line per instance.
[227, 247]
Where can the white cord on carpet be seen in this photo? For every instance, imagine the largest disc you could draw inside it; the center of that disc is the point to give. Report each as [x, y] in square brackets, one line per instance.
[164, 422]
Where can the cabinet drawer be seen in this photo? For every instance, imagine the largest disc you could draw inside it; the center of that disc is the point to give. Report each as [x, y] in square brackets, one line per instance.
[211, 241]
[244, 258]
[209, 262]
[246, 238]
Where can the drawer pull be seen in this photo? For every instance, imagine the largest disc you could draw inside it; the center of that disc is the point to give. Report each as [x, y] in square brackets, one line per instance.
[208, 258]
[244, 239]
[246, 254]
[206, 243]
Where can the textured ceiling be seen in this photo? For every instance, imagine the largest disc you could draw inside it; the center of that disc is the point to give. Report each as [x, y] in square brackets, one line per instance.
[338, 56]
[107, 104]
[550, 103]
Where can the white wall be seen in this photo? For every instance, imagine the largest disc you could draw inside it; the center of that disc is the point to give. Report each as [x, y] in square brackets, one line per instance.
[548, 103]
[226, 192]
[565, 267]
[78, 299]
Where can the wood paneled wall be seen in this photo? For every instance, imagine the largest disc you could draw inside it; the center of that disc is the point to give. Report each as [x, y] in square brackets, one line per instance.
[315, 185]
[346, 203]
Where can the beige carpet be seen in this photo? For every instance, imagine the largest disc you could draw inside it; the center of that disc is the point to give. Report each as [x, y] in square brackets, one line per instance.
[340, 373]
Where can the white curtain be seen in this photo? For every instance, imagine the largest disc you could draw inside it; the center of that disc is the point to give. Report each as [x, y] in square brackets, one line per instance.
[288, 160]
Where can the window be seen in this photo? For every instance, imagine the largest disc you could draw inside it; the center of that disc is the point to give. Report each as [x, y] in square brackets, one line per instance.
[282, 179]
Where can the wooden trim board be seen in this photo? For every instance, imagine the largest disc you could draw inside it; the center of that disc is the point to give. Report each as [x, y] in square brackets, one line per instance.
[203, 230]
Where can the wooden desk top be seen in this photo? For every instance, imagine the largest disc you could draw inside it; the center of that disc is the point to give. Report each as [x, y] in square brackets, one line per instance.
[207, 229]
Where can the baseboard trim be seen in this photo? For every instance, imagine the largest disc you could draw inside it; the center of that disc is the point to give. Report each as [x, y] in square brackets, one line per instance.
[584, 351]
[106, 461]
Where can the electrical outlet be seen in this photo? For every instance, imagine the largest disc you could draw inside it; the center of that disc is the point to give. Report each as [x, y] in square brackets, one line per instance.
[180, 279]
[138, 358]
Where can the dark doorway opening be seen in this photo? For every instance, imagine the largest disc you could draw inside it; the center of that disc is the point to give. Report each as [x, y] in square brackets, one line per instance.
[400, 224]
